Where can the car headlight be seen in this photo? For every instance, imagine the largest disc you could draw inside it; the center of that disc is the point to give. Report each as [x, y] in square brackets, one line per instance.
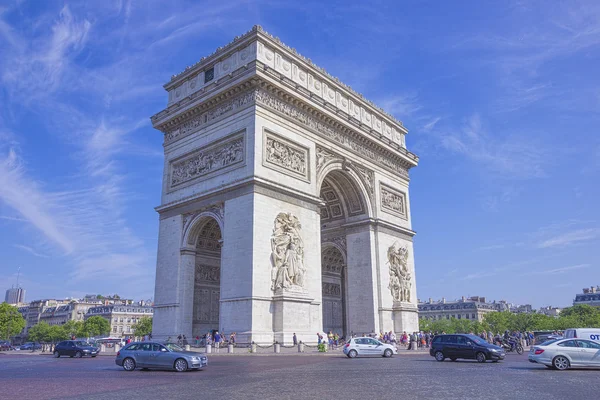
[86, 351]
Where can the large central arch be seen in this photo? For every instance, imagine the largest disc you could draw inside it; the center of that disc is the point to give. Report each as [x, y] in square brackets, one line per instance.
[344, 203]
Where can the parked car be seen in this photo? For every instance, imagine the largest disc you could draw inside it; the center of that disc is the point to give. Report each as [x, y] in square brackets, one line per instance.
[583, 333]
[366, 346]
[5, 345]
[75, 348]
[30, 346]
[466, 347]
[147, 355]
[562, 354]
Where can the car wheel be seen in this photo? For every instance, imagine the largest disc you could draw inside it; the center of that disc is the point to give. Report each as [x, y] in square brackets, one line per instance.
[56, 354]
[128, 364]
[561, 363]
[181, 365]
[387, 353]
[480, 357]
[78, 354]
[439, 356]
[352, 354]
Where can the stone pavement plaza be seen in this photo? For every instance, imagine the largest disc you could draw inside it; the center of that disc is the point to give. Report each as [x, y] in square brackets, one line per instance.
[410, 375]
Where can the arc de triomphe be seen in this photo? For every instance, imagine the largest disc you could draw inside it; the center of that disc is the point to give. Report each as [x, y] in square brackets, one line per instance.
[285, 205]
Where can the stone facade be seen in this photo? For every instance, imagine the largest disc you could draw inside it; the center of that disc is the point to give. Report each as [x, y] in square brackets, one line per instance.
[121, 317]
[589, 296]
[284, 195]
[472, 308]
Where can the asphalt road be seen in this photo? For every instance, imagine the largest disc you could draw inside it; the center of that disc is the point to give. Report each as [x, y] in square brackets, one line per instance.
[294, 377]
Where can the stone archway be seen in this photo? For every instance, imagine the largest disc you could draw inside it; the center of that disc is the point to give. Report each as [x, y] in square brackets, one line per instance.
[344, 203]
[333, 264]
[207, 277]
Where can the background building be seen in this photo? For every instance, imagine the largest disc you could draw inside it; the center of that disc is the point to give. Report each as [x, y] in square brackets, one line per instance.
[15, 295]
[551, 311]
[121, 317]
[472, 308]
[590, 296]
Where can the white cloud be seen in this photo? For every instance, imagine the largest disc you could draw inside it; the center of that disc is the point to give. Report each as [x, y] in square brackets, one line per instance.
[570, 238]
[400, 106]
[30, 250]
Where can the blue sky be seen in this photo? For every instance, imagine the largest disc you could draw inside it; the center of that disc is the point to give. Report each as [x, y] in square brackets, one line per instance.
[501, 99]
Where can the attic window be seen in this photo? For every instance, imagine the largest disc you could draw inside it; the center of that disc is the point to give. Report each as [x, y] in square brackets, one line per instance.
[209, 75]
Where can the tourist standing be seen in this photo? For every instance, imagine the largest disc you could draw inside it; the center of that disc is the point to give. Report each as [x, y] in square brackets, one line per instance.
[295, 339]
[217, 340]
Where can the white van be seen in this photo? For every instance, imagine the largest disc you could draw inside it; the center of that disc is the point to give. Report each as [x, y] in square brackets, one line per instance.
[583, 333]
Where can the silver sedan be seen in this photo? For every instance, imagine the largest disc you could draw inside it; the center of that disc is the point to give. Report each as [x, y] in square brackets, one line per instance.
[565, 353]
[366, 346]
[147, 355]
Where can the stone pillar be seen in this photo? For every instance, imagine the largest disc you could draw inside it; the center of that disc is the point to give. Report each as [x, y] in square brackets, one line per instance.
[117, 347]
[187, 347]
[102, 348]
[208, 349]
[300, 347]
[187, 270]
[277, 348]
[253, 348]
[230, 348]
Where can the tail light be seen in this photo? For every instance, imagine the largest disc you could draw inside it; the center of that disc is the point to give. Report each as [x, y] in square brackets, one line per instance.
[118, 353]
[539, 351]
[347, 345]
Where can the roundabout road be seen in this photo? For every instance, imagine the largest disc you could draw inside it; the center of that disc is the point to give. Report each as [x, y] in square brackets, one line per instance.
[294, 377]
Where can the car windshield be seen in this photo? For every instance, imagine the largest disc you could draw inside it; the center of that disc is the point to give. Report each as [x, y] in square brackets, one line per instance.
[82, 343]
[548, 342]
[173, 347]
[476, 339]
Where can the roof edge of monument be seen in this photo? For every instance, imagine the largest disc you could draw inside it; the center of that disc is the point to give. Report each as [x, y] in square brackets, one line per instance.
[256, 29]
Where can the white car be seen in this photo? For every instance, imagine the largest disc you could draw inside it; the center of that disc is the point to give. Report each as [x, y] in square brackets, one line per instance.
[366, 346]
[565, 353]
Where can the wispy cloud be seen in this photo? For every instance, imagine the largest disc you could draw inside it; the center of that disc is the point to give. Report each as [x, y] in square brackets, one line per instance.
[508, 156]
[30, 250]
[401, 106]
[556, 271]
[573, 237]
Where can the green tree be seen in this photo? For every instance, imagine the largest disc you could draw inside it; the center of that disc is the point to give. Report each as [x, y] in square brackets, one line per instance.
[11, 321]
[583, 315]
[73, 328]
[498, 322]
[39, 332]
[144, 326]
[56, 333]
[95, 326]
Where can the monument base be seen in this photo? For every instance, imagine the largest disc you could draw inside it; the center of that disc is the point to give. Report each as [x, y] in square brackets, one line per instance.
[406, 317]
[291, 314]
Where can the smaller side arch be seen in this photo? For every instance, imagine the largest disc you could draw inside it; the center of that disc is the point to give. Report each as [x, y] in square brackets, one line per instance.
[193, 228]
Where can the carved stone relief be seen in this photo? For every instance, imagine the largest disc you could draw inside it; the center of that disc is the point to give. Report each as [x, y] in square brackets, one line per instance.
[332, 289]
[347, 141]
[287, 254]
[206, 160]
[393, 201]
[207, 274]
[400, 277]
[332, 260]
[284, 156]
[368, 178]
[323, 157]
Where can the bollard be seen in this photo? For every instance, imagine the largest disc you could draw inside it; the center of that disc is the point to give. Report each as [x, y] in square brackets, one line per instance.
[102, 348]
[300, 347]
[277, 348]
[253, 348]
[117, 348]
[208, 349]
[187, 347]
[230, 348]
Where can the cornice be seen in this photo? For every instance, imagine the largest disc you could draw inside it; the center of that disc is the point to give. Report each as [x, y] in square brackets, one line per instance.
[258, 34]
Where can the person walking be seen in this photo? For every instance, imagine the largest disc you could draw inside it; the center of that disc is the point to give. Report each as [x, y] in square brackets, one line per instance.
[217, 341]
[295, 339]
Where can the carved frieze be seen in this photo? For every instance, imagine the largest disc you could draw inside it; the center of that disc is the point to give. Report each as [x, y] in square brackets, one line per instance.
[332, 289]
[393, 201]
[287, 157]
[332, 260]
[352, 143]
[206, 160]
[195, 123]
[207, 274]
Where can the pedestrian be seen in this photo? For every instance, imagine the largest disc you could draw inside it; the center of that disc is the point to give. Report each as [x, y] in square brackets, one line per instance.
[179, 339]
[197, 340]
[295, 339]
[185, 342]
[217, 340]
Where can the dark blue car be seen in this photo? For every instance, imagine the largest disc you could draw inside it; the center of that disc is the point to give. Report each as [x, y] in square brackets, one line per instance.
[465, 347]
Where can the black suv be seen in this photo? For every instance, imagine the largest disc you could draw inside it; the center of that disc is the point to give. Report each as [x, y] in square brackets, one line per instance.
[464, 346]
[75, 348]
